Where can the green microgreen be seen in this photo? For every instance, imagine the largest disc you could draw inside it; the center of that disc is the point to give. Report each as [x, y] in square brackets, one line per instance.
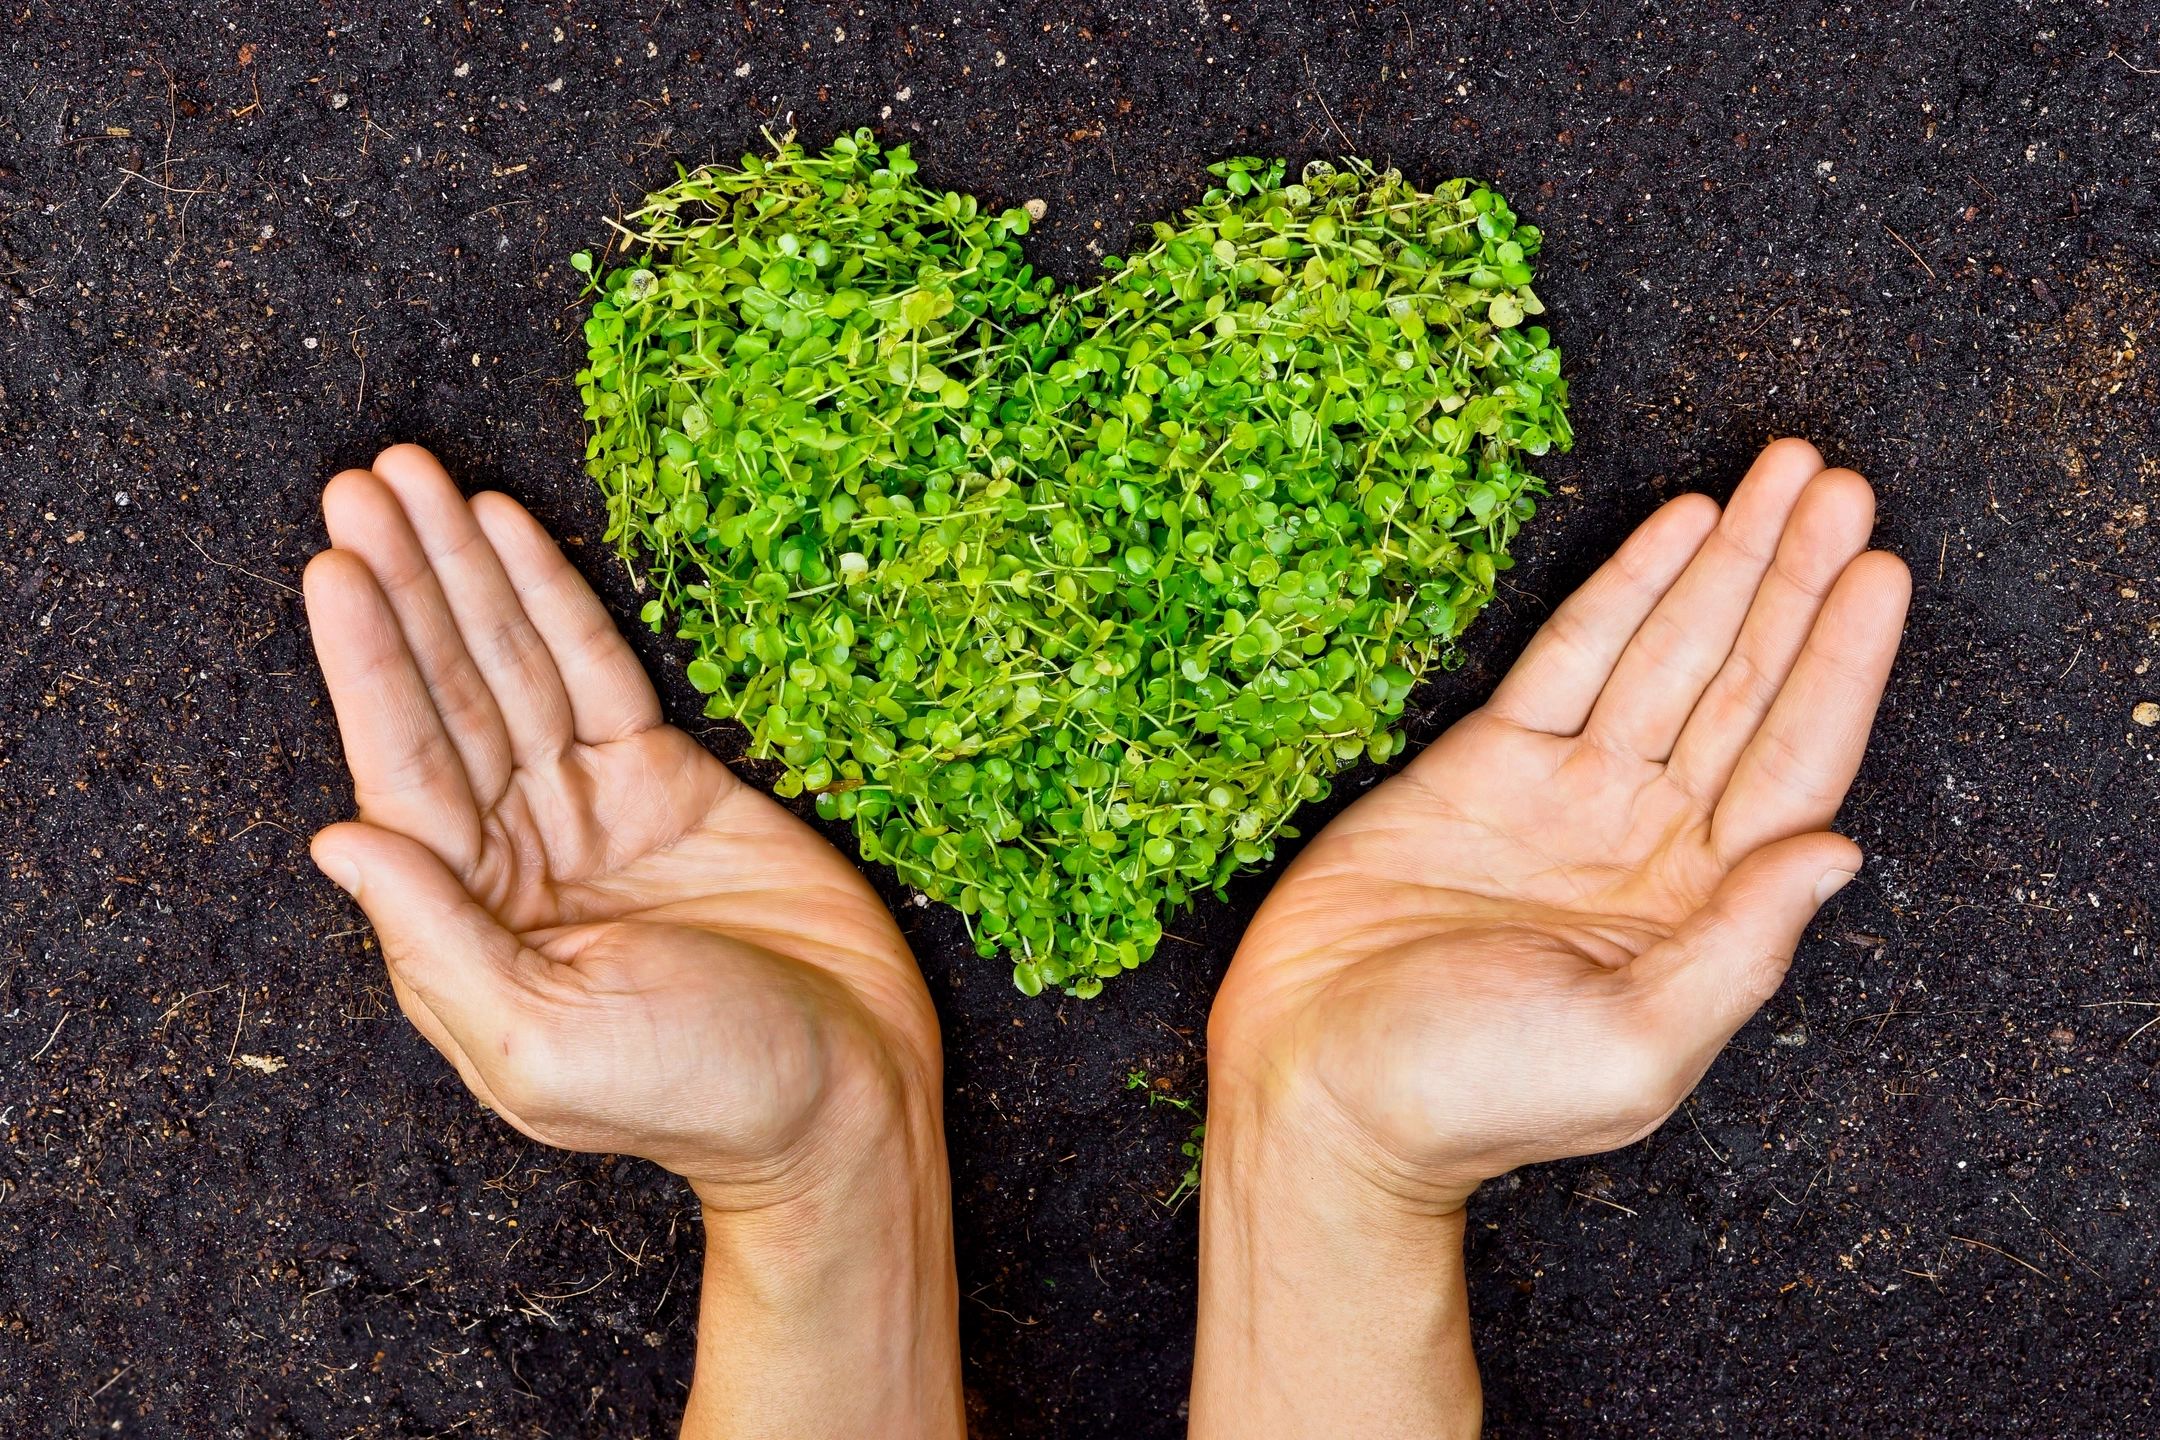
[1066, 601]
[1195, 1144]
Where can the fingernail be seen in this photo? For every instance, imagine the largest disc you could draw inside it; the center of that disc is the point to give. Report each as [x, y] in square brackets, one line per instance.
[1832, 881]
[341, 871]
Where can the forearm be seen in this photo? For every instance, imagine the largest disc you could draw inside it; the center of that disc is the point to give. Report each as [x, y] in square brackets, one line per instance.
[1326, 1309]
[835, 1314]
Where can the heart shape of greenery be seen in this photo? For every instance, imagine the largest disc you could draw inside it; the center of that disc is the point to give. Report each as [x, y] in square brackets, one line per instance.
[1066, 600]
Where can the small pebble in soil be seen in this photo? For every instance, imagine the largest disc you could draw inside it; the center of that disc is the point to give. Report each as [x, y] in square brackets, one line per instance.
[1793, 1038]
[2146, 712]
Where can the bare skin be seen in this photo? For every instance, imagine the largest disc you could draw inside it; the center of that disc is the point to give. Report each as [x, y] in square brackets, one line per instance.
[1529, 945]
[622, 948]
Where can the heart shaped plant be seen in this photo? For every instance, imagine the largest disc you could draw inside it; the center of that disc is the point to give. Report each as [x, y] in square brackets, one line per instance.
[1067, 600]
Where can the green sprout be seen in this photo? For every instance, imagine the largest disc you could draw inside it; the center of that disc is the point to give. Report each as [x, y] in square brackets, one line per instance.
[1195, 1143]
[1188, 1184]
[1066, 601]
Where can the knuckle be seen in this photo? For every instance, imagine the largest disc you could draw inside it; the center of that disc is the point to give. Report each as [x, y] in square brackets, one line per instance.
[1751, 682]
[1755, 550]
[1814, 584]
[1758, 975]
[415, 769]
[1664, 637]
[1570, 630]
[1790, 771]
[511, 643]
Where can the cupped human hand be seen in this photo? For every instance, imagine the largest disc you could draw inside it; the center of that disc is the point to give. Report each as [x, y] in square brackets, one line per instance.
[619, 946]
[1533, 942]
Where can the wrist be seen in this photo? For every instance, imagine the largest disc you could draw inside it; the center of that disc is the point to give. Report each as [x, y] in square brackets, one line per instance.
[1288, 1177]
[880, 1200]
[830, 1305]
[1341, 1103]
[1303, 1236]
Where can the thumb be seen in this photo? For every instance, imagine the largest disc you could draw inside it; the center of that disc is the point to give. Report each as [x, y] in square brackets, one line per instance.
[442, 946]
[1731, 955]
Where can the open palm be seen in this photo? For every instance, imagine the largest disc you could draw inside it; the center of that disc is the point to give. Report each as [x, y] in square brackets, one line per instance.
[619, 945]
[1533, 941]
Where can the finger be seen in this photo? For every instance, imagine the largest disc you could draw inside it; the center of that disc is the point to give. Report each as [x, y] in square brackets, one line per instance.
[1794, 773]
[432, 1030]
[1731, 956]
[406, 774]
[504, 646]
[444, 950]
[1829, 529]
[610, 696]
[426, 1021]
[1687, 637]
[365, 518]
[1552, 687]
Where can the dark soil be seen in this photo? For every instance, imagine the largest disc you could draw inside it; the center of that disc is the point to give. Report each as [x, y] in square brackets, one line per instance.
[242, 247]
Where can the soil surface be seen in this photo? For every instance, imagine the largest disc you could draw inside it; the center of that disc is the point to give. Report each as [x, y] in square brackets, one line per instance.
[242, 247]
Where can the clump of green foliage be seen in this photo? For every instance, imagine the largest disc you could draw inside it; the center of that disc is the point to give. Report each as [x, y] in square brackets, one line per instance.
[1066, 600]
